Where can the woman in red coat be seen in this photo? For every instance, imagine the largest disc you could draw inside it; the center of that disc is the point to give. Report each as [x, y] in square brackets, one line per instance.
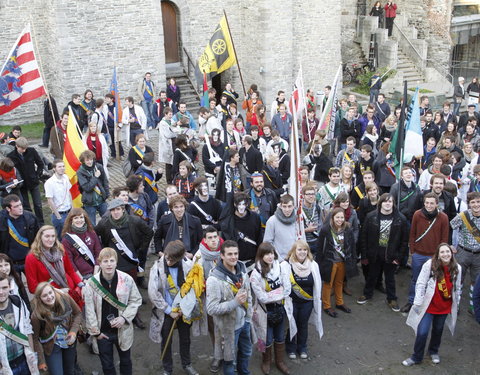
[390, 14]
[47, 261]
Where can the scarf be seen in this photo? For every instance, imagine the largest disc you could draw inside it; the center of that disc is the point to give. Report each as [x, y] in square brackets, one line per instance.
[274, 272]
[8, 176]
[78, 230]
[57, 270]
[237, 277]
[62, 318]
[429, 215]
[283, 219]
[120, 222]
[301, 269]
[210, 257]
[173, 88]
[63, 131]
[180, 275]
[96, 147]
[173, 232]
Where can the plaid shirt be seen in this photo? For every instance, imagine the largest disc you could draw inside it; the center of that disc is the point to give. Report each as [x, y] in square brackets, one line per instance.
[465, 238]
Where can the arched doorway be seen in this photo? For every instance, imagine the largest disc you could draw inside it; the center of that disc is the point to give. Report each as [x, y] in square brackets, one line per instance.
[170, 32]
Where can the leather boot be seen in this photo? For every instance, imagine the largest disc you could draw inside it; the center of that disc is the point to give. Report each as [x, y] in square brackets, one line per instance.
[266, 360]
[280, 358]
[138, 321]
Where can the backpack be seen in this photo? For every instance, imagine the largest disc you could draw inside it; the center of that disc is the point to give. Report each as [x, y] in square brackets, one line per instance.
[127, 168]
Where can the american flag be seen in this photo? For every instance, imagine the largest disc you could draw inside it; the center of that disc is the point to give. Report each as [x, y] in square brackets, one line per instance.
[20, 79]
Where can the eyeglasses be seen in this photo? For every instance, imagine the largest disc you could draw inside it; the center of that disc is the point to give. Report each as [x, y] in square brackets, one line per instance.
[309, 194]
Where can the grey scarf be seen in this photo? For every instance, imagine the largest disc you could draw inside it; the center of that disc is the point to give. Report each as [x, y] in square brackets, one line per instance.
[283, 219]
[210, 258]
[57, 270]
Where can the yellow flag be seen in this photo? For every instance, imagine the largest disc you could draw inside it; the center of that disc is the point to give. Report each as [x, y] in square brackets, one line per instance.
[219, 54]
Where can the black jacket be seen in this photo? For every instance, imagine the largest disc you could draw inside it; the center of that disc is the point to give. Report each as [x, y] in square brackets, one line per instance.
[349, 129]
[194, 227]
[383, 176]
[273, 180]
[30, 166]
[31, 229]
[397, 241]
[326, 252]
[212, 207]
[87, 183]
[209, 165]
[409, 205]
[252, 159]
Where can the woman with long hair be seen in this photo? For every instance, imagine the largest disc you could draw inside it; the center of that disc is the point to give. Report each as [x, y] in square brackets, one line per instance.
[437, 296]
[343, 201]
[16, 284]
[137, 152]
[183, 151]
[370, 137]
[337, 259]
[383, 168]
[233, 112]
[347, 178]
[468, 152]
[387, 129]
[305, 298]
[451, 130]
[55, 320]
[377, 11]
[271, 285]
[47, 261]
[183, 180]
[81, 243]
[369, 202]
[259, 118]
[96, 142]
[173, 91]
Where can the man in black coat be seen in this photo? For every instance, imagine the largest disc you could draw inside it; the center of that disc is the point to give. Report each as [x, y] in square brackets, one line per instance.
[263, 200]
[446, 203]
[383, 244]
[24, 227]
[30, 165]
[250, 157]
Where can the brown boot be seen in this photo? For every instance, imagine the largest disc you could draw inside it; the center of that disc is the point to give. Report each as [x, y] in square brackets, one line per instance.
[266, 360]
[280, 358]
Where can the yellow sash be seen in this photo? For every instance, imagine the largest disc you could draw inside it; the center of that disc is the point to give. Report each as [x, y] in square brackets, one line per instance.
[359, 192]
[298, 289]
[235, 291]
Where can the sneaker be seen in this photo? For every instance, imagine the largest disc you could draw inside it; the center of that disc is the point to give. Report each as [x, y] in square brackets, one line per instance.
[303, 355]
[406, 308]
[363, 300]
[393, 305]
[292, 356]
[190, 370]
[409, 362]
[215, 365]
[435, 358]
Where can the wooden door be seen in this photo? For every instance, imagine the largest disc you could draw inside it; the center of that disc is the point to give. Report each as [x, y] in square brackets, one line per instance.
[170, 32]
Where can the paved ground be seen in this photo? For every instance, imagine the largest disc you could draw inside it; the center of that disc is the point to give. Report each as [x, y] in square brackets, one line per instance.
[371, 340]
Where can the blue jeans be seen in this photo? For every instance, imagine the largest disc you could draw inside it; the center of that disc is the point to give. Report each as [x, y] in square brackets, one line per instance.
[374, 95]
[148, 109]
[277, 332]
[105, 350]
[58, 223]
[417, 263]
[301, 314]
[61, 361]
[92, 212]
[20, 368]
[436, 321]
[456, 106]
[243, 344]
[133, 135]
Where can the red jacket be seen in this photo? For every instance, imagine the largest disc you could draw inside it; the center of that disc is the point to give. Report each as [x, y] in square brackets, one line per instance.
[36, 272]
[78, 261]
[435, 236]
[391, 11]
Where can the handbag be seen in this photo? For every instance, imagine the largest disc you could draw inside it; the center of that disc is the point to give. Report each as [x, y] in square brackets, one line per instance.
[275, 315]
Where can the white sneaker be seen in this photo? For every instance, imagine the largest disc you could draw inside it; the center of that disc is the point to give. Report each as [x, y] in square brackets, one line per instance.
[292, 356]
[303, 355]
[435, 358]
[409, 362]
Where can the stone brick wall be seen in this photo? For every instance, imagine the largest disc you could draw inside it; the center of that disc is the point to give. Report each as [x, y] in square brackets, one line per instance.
[80, 41]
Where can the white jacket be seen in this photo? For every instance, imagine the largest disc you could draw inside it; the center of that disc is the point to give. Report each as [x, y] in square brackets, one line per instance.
[424, 291]
[142, 120]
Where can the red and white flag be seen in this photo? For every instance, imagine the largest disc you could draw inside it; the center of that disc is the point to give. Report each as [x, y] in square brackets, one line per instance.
[20, 79]
[297, 100]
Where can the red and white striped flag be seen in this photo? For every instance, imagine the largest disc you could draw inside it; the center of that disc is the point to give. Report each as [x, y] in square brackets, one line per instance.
[297, 100]
[20, 79]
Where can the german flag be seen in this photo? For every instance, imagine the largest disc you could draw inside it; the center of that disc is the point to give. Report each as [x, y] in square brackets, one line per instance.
[218, 55]
[72, 150]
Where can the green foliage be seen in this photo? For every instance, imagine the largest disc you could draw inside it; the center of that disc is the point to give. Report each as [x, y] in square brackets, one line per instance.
[421, 91]
[364, 88]
[29, 131]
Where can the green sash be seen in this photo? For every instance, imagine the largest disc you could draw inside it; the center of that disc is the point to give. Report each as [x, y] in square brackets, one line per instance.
[10, 332]
[105, 294]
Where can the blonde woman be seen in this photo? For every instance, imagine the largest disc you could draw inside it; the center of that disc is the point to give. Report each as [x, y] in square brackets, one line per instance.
[305, 298]
[347, 178]
[55, 320]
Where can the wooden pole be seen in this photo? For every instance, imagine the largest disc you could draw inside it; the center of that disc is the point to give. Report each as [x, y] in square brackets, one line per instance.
[37, 56]
[169, 338]
[236, 57]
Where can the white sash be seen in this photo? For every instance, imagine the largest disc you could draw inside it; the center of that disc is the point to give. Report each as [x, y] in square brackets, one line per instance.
[214, 156]
[207, 216]
[123, 247]
[82, 247]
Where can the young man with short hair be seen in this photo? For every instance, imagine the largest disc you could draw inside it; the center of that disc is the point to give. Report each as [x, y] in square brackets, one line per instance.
[329, 191]
[229, 302]
[350, 155]
[358, 192]
[163, 207]
[59, 198]
[134, 119]
[263, 200]
[312, 217]
[139, 201]
[112, 301]
[204, 206]
[281, 230]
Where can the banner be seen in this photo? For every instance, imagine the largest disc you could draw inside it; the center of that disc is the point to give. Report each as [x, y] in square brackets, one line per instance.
[20, 79]
[327, 121]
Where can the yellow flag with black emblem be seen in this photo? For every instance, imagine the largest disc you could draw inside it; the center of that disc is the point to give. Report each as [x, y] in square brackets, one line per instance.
[219, 54]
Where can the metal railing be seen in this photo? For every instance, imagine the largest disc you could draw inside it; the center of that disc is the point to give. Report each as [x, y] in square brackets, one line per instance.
[414, 54]
[189, 69]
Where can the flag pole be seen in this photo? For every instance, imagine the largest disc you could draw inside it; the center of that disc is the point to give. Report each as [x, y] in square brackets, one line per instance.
[38, 57]
[236, 57]
[402, 149]
[305, 109]
[117, 129]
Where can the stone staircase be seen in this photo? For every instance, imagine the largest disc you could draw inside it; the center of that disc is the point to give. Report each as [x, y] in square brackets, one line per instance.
[188, 93]
[409, 70]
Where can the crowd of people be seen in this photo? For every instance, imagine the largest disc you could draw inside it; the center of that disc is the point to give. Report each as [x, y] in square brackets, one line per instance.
[231, 263]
